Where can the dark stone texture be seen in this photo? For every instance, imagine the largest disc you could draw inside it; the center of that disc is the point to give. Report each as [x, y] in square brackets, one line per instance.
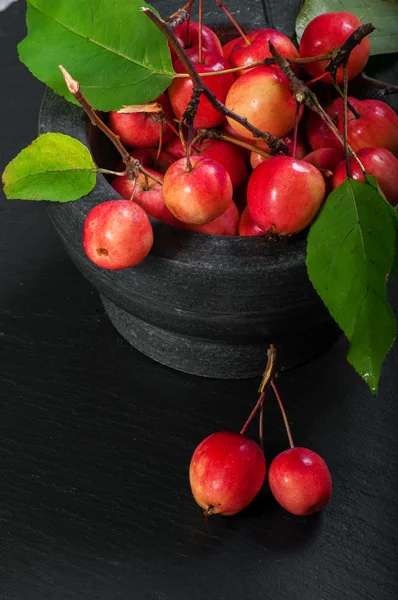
[207, 305]
[96, 439]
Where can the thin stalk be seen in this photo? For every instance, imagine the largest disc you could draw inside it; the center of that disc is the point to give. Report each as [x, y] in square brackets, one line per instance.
[345, 116]
[234, 22]
[287, 426]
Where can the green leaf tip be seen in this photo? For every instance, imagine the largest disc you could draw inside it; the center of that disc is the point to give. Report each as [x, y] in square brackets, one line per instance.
[53, 167]
[350, 253]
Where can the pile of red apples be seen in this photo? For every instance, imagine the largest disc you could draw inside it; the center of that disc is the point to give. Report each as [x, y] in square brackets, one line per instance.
[222, 188]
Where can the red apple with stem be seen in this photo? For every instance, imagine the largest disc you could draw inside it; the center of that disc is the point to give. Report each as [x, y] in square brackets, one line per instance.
[284, 195]
[299, 478]
[142, 129]
[180, 89]
[263, 97]
[117, 234]
[255, 46]
[188, 35]
[378, 162]
[326, 32]
[226, 473]
[376, 127]
[143, 190]
[199, 192]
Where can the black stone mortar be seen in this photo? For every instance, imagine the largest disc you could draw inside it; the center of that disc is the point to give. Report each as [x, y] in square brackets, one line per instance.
[206, 305]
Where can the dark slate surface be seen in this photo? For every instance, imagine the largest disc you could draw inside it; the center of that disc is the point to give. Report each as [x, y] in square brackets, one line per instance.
[95, 442]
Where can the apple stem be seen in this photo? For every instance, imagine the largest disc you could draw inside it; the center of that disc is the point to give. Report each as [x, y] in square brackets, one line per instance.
[263, 63]
[341, 94]
[215, 134]
[384, 88]
[200, 87]
[318, 78]
[189, 24]
[304, 95]
[345, 118]
[200, 57]
[268, 376]
[287, 426]
[160, 144]
[132, 164]
[134, 189]
[295, 131]
[233, 21]
[108, 172]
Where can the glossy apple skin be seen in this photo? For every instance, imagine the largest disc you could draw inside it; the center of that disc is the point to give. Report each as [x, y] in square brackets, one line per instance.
[117, 234]
[141, 130]
[323, 34]
[326, 159]
[378, 162]
[301, 150]
[318, 133]
[377, 126]
[210, 41]
[226, 473]
[247, 226]
[226, 224]
[147, 193]
[230, 158]
[284, 194]
[262, 96]
[198, 196]
[243, 55]
[300, 481]
[148, 159]
[180, 90]
[227, 48]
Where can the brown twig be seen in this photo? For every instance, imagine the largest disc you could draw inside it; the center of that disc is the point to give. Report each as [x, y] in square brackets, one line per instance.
[304, 95]
[198, 84]
[216, 134]
[268, 376]
[179, 16]
[132, 164]
[341, 94]
[385, 89]
[345, 118]
[342, 53]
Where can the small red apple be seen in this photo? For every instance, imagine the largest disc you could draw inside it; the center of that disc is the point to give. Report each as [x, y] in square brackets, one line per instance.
[117, 234]
[247, 226]
[300, 481]
[226, 473]
[284, 194]
[200, 195]
[378, 162]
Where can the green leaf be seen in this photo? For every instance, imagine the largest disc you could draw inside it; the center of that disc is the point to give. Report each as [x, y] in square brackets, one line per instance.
[54, 167]
[383, 14]
[349, 256]
[115, 52]
[394, 269]
[394, 215]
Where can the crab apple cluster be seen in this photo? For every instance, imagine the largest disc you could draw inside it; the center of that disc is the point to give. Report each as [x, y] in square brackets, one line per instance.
[218, 178]
[228, 470]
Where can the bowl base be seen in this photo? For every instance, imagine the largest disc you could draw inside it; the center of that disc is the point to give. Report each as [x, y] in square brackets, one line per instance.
[220, 360]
